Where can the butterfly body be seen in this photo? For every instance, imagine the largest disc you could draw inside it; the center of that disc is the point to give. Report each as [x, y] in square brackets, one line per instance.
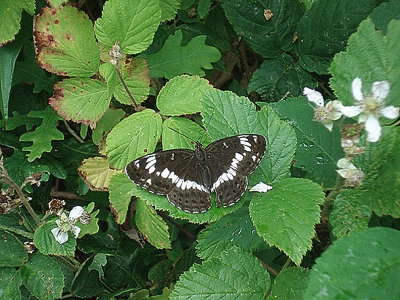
[188, 177]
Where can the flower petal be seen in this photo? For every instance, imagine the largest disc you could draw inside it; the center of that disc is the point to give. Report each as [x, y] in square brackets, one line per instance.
[314, 96]
[76, 212]
[60, 236]
[261, 187]
[373, 129]
[344, 173]
[390, 112]
[75, 230]
[343, 163]
[356, 86]
[328, 125]
[351, 111]
[380, 90]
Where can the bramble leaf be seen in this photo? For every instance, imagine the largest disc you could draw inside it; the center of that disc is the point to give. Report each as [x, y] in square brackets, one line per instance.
[174, 59]
[152, 225]
[13, 253]
[43, 135]
[169, 9]
[131, 23]
[65, 42]
[285, 216]
[119, 187]
[10, 282]
[291, 283]
[82, 100]
[110, 118]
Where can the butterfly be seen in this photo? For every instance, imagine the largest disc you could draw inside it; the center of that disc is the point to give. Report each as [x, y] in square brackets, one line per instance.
[187, 177]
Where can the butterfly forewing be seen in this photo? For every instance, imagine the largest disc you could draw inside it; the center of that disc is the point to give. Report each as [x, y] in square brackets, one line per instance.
[230, 161]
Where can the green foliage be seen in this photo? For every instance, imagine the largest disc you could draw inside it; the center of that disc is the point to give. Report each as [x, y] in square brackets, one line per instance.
[99, 261]
[174, 59]
[374, 249]
[10, 281]
[290, 284]
[227, 275]
[13, 252]
[120, 185]
[110, 118]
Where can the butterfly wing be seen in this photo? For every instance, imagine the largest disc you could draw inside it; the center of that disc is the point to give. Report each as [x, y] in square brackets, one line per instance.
[174, 173]
[230, 161]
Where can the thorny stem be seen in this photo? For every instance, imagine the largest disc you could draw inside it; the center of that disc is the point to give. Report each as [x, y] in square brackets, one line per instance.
[72, 132]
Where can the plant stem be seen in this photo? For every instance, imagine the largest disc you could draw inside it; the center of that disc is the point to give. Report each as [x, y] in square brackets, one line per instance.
[288, 261]
[70, 130]
[272, 270]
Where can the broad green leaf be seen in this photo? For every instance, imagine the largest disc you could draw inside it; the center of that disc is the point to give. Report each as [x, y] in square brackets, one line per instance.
[43, 135]
[21, 120]
[235, 274]
[174, 59]
[10, 16]
[131, 23]
[135, 72]
[93, 226]
[279, 76]
[266, 37]
[325, 28]
[65, 42]
[369, 267]
[86, 284]
[152, 225]
[235, 228]
[290, 284]
[12, 223]
[10, 281]
[8, 56]
[133, 137]
[174, 140]
[285, 216]
[181, 95]
[82, 100]
[96, 172]
[318, 149]
[110, 118]
[162, 203]
[235, 115]
[119, 197]
[13, 253]
[372, 57]
[384, 13]
[47, 244]
[98, 262]
[42, 276]
[203, 7]
[169, 9]
[349, 213]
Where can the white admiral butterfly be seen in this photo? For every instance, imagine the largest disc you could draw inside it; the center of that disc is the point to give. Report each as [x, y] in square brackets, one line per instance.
[187, 177]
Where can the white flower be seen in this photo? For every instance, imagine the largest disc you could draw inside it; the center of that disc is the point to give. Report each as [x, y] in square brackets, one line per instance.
[371, 107]
[261, 187]
[349, 171]
[324, 114]
[66, 224]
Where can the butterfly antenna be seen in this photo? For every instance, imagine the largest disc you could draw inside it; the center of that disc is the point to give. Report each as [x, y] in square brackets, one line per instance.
[181, 134]
[208, 123]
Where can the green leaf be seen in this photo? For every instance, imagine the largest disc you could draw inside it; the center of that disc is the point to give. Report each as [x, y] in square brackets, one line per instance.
[369, 267]
[285, 216]
[120, 185]
[235, 228]
[291, 283]
[349, 213]
[174, 59]
[10, 281]
[10, 16]
[42, 276]
[86, 283]
[131, 23]
[8, 55]
[325, 28]
[227, 276]
[318, 149]
[13, 253]
[203, 7]
[152, 225]
[96, 173]
[133, 137]
[372, 57]
[110, 118]
[12, 222]
[181, 95]
[93, 226]
[47, 244]
[98, 262]
[279, 76]
[174, 140]
[169, 9]
[135, 72]
[21, 120]
[43, 135]
[266, 37]
[384, 13]
[65, 43]
[82, 100]
[235, 115]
